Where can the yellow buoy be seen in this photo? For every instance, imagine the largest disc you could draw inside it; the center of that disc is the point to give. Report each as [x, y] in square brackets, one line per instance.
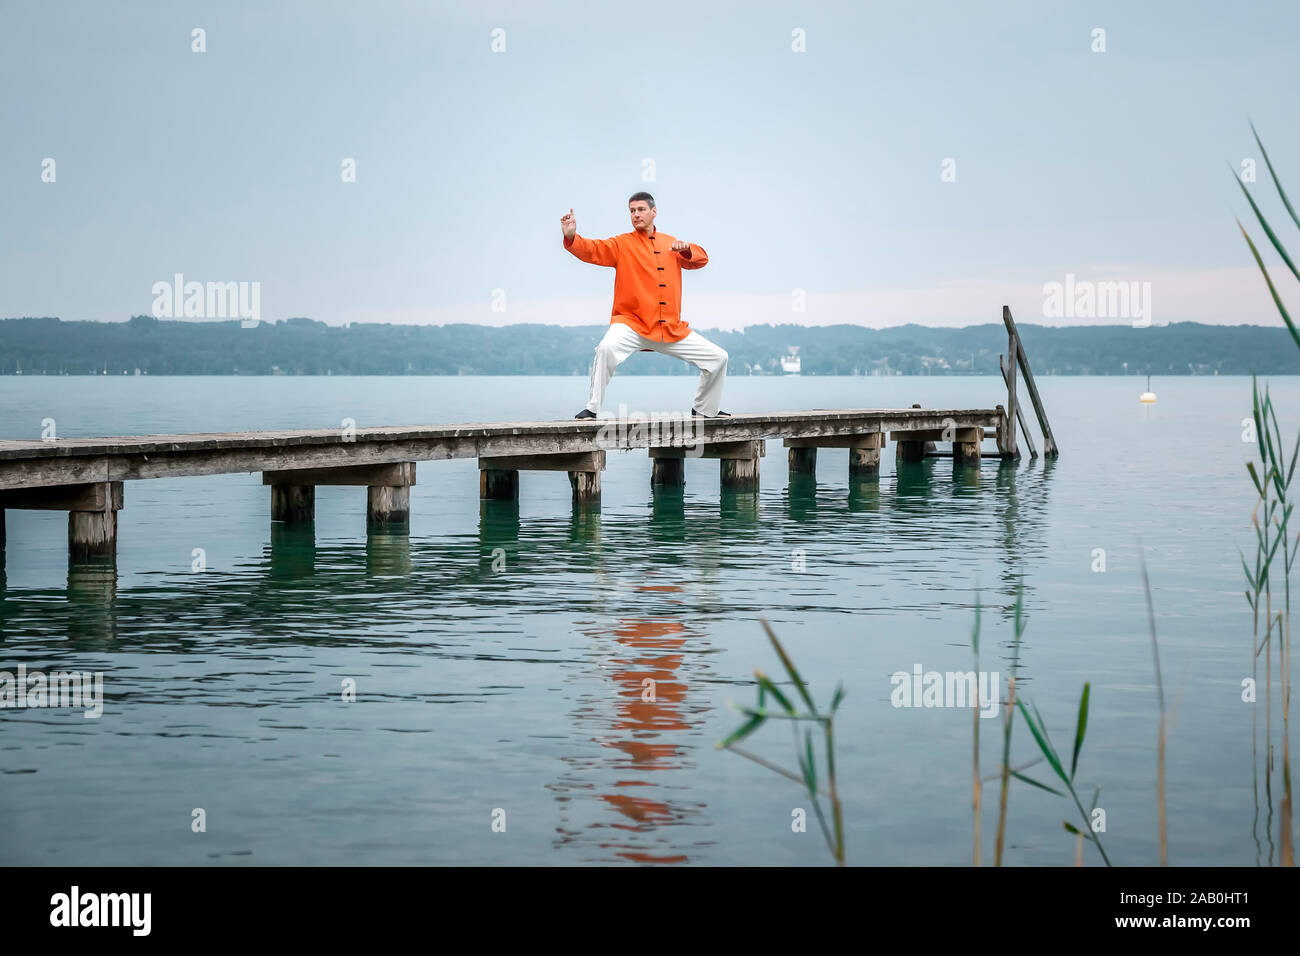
[1148, 397]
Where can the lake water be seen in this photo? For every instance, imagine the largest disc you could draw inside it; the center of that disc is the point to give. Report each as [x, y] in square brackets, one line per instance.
[520, 689]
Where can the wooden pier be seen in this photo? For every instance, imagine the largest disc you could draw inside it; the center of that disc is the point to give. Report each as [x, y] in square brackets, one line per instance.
[85, 476]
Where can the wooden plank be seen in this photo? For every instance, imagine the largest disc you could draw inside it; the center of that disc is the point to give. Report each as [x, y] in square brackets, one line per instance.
[90, 496]
[55, 471]
[1020, 412]
[26, 464]
[727, 449]
[542, 436]
[1049, 442]
[582, 461]
[874, 439]
[389, 475]
[939, 434]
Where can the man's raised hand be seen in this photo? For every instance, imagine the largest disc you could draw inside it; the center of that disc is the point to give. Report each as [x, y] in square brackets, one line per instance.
[569, 225]
[683, 247]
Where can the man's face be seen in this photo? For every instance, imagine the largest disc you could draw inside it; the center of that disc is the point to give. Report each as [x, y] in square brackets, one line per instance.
[643, 217]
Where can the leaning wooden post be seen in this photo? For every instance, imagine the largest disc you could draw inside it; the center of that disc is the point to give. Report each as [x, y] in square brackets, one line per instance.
[1011, 450]
[1049, 442]
[1020, 417]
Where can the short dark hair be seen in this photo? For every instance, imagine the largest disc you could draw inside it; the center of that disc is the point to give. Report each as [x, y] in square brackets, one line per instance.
[646, 196]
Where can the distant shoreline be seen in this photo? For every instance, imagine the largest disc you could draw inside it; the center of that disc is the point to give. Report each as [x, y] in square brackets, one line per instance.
[304, 347]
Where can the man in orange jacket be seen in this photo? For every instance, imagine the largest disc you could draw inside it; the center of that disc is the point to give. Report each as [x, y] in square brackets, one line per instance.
[647, 309]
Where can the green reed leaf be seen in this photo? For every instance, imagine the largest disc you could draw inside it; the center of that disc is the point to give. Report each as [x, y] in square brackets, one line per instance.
[1080, 730]
[1286, 316]
[1034, 783]
[1277, 183]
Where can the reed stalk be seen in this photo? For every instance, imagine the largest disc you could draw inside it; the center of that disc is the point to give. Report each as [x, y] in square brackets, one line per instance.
[1160, 697]
[1272, 482]
[804, 755]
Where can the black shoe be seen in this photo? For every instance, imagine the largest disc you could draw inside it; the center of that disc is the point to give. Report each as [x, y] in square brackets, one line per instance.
[585, 413]
[719, 415]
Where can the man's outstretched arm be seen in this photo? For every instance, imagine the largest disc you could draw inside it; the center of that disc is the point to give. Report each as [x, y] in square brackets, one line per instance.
[692, 256]
[601, 252]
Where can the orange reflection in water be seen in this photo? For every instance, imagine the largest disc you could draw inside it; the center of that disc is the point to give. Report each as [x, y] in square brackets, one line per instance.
[651, 718]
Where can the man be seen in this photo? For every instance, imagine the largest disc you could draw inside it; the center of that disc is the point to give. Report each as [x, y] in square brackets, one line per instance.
[646, 316]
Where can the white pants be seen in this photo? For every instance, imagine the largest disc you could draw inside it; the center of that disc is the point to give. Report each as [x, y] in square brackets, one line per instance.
[622, 340]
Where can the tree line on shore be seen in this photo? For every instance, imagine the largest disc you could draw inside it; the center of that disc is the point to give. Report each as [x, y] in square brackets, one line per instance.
[300, 346]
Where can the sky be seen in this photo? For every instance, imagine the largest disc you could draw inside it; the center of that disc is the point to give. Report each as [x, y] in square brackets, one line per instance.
[864, 163]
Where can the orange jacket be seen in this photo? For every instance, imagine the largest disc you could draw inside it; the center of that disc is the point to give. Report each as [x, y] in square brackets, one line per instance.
[647, 280]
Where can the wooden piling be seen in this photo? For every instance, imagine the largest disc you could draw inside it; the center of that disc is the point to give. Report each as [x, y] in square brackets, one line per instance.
[864, 462]
[92, 514]
[668, 473]
[738, 464]
[864, 450]
[388, 506]
[739, 474]
[92, 535]
[388, 493]
[499, 474]
[586, 486]
[909, 451]
[498, 484]
[293, 504]
[803, 461]
[966, 453]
